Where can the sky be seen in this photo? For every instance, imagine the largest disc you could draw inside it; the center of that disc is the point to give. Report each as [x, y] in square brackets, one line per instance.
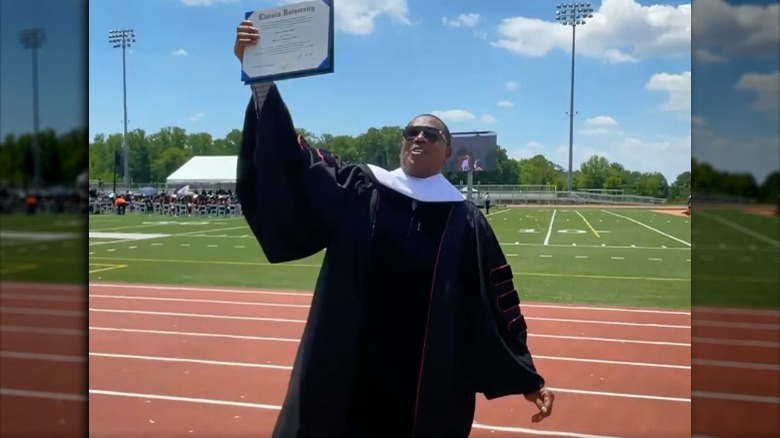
[501, 66]
[61, 63]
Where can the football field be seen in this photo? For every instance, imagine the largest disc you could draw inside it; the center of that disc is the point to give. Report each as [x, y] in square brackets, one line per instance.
[619, 256]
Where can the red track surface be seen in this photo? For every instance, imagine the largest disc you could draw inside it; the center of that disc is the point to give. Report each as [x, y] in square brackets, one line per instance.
[170, 361]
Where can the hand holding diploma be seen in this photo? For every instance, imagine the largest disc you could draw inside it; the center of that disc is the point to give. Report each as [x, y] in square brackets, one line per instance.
[246, 35]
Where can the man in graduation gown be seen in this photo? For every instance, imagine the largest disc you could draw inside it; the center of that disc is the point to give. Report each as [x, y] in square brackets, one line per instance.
[414, 312]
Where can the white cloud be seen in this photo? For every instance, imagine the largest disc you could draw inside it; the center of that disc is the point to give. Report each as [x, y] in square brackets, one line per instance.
[512, 86]
[358, 17]
[205, 2]
[180, 52]
[463, 20]
[196, 117]
[723, 30]
[620, 31]
[669, 155]
[601, 122]
[767, 89]
[678, 89]
[480, 35]
[454, 115]
[757, 155]
[528, 150]
[505, 104]
[488, 119]
[600, 125]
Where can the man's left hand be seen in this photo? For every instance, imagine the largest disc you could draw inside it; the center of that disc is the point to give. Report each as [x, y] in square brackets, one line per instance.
[543, 399]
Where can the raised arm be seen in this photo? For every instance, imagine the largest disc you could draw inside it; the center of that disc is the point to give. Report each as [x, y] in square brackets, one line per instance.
[292, 195]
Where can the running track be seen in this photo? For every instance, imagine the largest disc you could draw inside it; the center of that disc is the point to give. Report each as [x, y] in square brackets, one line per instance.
[201, 361]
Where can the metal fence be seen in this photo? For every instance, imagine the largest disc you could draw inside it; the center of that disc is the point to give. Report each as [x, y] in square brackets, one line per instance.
[549, 194]
[499, 193]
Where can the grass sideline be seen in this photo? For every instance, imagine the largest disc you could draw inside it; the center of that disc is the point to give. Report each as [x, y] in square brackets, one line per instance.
[43, 248]
[631, 257]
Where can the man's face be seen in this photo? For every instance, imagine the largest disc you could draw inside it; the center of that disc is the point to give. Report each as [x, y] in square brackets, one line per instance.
[424, 150]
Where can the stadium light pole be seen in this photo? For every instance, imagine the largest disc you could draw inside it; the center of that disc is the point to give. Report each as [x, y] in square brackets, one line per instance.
[123, 38]
[572, 14]
[33, 39]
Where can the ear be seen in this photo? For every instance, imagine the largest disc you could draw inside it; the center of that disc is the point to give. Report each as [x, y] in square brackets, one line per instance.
[448, 152]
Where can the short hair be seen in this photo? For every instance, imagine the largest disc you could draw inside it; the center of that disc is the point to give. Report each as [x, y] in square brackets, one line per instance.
[445, 130]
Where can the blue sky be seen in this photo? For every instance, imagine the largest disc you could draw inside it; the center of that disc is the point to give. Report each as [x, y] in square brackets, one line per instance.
[61, 63]
[502, 66]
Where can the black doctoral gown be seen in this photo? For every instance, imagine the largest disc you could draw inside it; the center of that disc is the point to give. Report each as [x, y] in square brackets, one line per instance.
[414, 311]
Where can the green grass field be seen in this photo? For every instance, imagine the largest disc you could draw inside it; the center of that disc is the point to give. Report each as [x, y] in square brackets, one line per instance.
[735, 260]
[42, 248]
[589, 255]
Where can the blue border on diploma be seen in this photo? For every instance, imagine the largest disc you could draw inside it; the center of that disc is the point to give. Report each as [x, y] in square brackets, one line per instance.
[326, 66]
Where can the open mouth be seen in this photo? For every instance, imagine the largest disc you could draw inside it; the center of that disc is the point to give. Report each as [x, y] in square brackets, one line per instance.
[415, 150]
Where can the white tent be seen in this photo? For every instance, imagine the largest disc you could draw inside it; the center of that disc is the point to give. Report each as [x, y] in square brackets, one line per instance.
[218, 169]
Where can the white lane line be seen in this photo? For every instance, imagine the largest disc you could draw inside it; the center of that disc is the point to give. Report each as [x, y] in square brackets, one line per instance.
[49, 298]
[23, 393]
[276, 339]
[737, 365]
[21, 355]
[40, 330]
[41, 312]
[309, 295]
[301, 321]
[735, 342]
[192, 300]
[735, 397]
[287, 367]
[736, 325]
[209, 401]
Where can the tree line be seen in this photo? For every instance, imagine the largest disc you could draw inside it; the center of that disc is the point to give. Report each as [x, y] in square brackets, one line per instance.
[63, 157]
[152, 157]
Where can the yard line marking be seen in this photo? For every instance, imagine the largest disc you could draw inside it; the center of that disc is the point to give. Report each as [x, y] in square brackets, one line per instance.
[736, 397]
[295, 340]
[648, 227]
[302, 321]
[580, 257]
[268, 407]
[617, 258]
[602, 246]
[309, 295]
[12, 392]
[549, 229]
[655, 259]
[742, 229]
[588, 224]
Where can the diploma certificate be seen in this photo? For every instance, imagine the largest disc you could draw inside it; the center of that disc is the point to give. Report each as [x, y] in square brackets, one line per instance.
[295, 41]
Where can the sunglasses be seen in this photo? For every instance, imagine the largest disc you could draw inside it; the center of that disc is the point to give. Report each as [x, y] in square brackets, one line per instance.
[432, 135]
